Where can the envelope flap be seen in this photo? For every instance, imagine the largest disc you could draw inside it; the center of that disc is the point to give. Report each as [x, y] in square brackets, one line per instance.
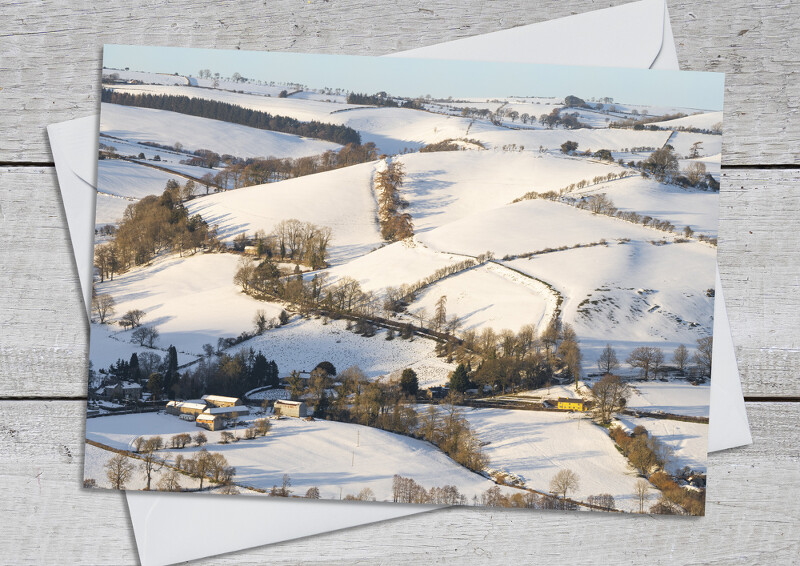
[568, 41]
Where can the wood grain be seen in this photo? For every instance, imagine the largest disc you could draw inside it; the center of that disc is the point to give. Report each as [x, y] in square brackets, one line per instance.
[51, 52]
[758, 259]
[752, 515]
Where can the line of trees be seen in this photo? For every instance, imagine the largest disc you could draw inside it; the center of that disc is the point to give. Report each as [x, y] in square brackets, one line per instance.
[258, 171]
[407, 490]
[601, 204]
[567, 120]
[395, 225]
[120, 468]
[234, 114]
[450, 144]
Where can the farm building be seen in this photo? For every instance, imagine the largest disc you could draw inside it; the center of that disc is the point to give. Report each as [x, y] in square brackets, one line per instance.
[123, 390]
[220, 401]
[186, 407]
[291, 408]
[228, 412]
[210, 422]
[572, 404]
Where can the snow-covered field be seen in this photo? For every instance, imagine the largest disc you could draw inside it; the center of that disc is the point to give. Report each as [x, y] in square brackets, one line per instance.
[530, 226]
[125, 179]
[683, 141]
[191, 301]
[338, 458]
[109, 209]
[447, 186]
[536, 445]
[611, 139]
[702, 121]
[107, 344]
[341, 199]
[631, 292]
[396, 264]
[674, 397]
[95, 459]
[491, 296]
[648, 197]
[145, 77]
[304, 343]
[167, 128]
[687, 441]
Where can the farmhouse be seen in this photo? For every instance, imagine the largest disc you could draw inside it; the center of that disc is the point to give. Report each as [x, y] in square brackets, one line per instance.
[572, 404]
[220, 401]
[186, 407]
[209, 422]
[228, 412]
[290, 408]
[123, 390]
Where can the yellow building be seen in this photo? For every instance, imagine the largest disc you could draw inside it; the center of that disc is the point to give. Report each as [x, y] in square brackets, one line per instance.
[572, 404]
[186, 407]
[210, 422]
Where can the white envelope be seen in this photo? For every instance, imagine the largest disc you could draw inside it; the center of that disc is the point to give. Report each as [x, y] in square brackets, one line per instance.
[633, 35]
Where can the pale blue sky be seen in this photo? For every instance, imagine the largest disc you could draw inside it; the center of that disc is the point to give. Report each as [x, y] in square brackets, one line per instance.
[440, 79]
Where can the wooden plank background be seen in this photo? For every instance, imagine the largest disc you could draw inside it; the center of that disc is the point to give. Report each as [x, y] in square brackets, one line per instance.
[49, 67]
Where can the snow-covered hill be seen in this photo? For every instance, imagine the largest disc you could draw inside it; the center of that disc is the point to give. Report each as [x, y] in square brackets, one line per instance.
[167, 128]
[338, 458]
[341, 199]
[703, 121]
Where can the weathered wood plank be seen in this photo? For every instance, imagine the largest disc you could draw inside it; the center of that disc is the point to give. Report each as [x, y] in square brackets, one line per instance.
[51, 52]
[44, 349]
[751, 519]
[44, 331]
[759, 259]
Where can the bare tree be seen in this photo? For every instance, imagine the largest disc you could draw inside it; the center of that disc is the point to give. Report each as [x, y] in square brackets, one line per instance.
[170, 481]
[440, 314]
[696, 172]
[607, 362]
[312, 493]
[610, 394]
[681, 357]
[202, 465]
[421, 314]
[200, 439]
[647, 358]
[563, 482]
[642, 493]
[103, 306]
[702, 357]
[132, 318]
[119, 470]
[151, 462]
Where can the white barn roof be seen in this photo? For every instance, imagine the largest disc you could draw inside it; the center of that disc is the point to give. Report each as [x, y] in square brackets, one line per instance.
[195, 406]
[219, 398]
[226, 410]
